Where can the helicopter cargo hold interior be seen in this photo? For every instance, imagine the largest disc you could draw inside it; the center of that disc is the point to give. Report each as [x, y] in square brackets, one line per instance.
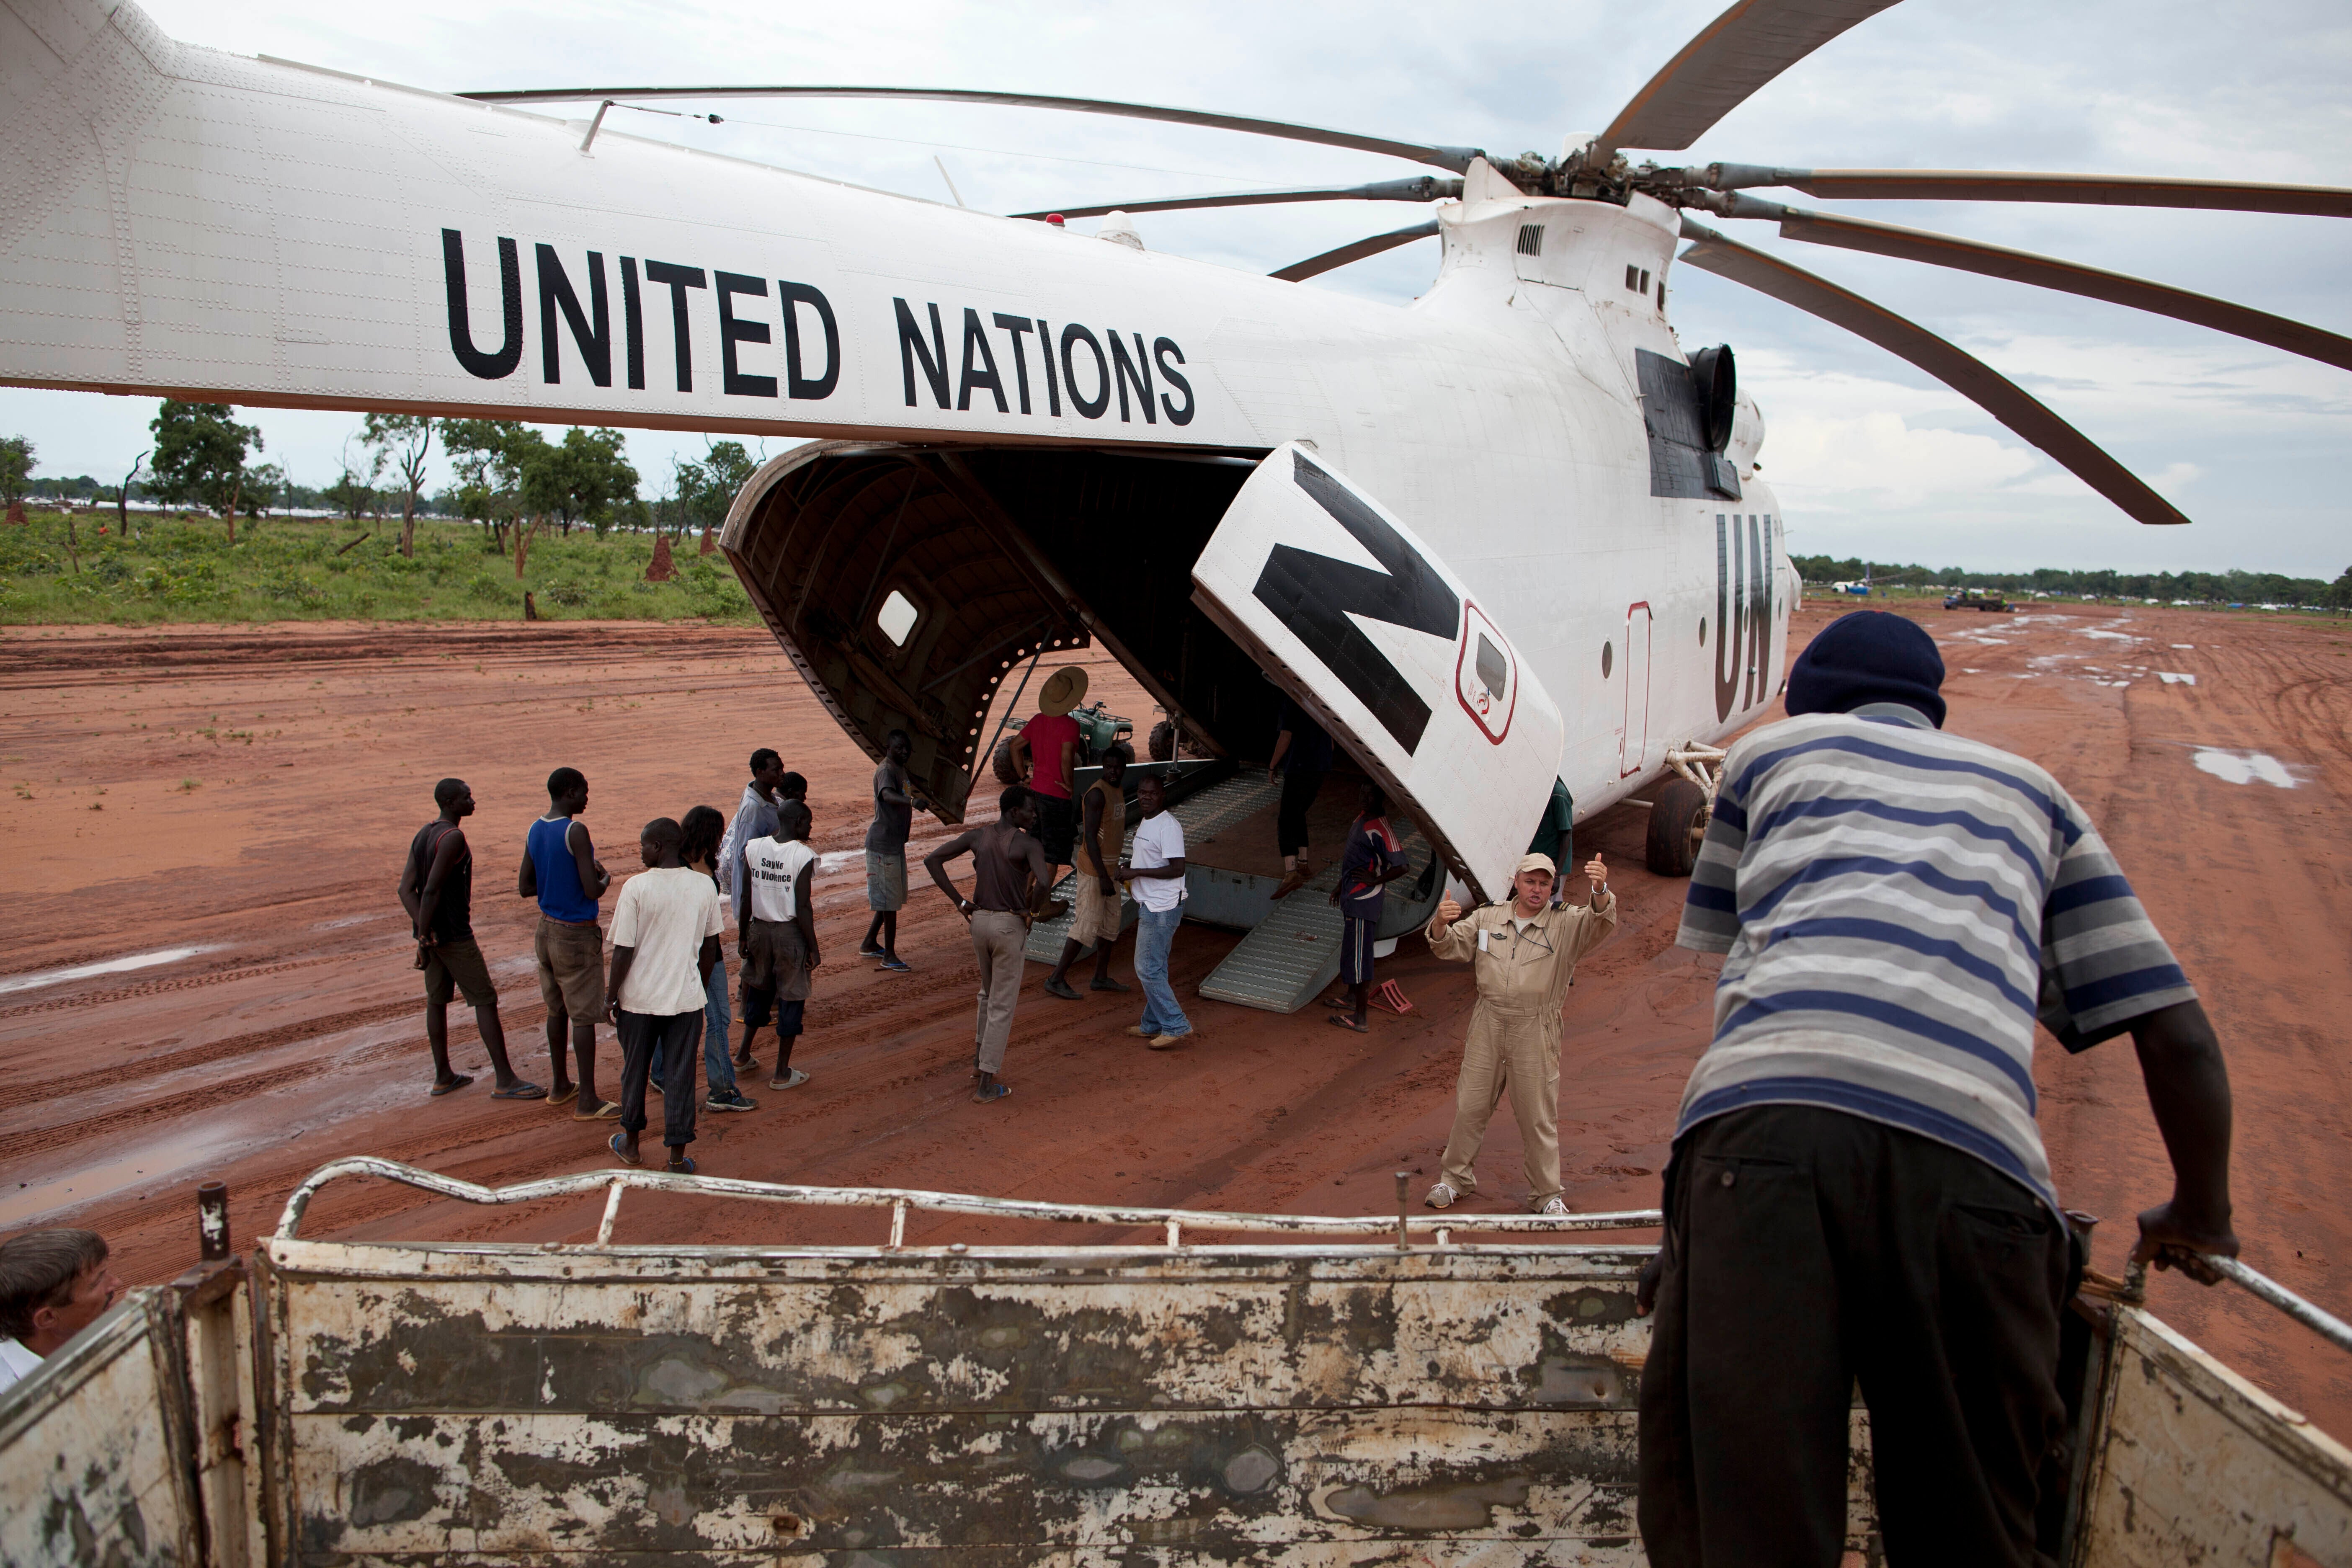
[909, 583]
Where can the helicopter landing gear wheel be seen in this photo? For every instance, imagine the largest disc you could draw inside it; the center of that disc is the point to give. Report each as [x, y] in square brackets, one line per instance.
[1678, 819]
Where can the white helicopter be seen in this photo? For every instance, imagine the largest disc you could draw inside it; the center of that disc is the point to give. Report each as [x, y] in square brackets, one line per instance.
[1510, 533]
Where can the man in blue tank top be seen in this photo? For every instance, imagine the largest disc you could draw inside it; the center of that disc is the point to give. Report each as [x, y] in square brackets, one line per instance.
[560, 870]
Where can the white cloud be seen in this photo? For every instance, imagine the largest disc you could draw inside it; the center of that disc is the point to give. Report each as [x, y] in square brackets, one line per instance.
[1878, 460]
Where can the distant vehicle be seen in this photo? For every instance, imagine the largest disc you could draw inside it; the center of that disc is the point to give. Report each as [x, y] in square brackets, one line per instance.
[1859, 590]
[1974, 599]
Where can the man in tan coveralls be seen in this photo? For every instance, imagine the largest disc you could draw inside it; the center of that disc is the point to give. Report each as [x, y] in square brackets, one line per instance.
[1524, 955]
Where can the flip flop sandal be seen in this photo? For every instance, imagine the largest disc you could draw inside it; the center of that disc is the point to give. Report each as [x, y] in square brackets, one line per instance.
[453, 1086]
[683, 1167]
[519, 1091]
[994, 1091]
[1338, 1004]
[623, 1155]
[606, 1110]
[1341, 1021]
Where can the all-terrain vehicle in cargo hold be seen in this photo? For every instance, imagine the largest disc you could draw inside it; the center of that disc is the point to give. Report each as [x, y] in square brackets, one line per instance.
[1202, 1388]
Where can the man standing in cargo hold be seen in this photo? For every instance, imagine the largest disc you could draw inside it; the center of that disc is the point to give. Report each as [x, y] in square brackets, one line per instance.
[560, 869]
[1008, 873]
[1524, 955]
[1049, 749]
[1858, 1191]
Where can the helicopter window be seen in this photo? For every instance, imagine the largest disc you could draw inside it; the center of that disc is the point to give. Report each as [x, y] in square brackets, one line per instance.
[1492, 668]
[1702, 631]
[1530, 239]
[897, 617]
[1634, 278]
[1608, 656]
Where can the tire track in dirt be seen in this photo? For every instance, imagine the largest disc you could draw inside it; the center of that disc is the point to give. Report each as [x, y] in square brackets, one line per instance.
[165, 987]
[239, 1046]
[129, 1118]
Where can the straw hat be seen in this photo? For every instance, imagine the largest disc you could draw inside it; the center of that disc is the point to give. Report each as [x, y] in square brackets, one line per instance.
[1064, 689]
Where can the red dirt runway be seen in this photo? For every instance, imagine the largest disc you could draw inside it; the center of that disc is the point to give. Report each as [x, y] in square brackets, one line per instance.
[250, 793]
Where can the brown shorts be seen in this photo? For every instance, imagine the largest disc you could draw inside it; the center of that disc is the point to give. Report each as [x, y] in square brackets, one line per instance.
[455, 966]
[571, 969]
[1095, 916]
[775, 963]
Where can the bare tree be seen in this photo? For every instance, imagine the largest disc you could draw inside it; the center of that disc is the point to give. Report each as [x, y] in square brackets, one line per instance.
[406, 439]
[122, 497]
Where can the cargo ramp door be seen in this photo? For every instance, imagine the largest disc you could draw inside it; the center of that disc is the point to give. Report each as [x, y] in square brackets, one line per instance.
[1360, 623]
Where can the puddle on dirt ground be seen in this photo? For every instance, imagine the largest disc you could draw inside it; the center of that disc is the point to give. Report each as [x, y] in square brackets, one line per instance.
[2244, 767]
[35, 979]
[153, 1163]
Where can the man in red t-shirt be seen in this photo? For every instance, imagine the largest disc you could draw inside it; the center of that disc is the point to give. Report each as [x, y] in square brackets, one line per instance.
[1048, 751]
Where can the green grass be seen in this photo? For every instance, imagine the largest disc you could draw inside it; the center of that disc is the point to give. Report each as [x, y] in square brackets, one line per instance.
[186, 570]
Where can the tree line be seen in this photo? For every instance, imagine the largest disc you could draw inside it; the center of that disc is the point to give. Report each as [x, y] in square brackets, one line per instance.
[511, 478]
[2231, 587]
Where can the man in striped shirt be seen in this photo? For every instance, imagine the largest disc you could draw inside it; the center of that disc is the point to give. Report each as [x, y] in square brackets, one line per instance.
[1858, 1189]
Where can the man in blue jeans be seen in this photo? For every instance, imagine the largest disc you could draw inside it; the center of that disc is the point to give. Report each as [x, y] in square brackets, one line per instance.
[1155, 868]
[705, 832]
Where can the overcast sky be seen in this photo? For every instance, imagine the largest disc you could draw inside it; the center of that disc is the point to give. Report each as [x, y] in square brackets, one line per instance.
[1869, 456]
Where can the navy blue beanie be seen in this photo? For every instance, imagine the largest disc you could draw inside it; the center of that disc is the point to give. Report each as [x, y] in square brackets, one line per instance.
[1869, 655]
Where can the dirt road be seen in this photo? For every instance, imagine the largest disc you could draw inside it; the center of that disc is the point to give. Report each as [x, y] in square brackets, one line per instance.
[208, 973]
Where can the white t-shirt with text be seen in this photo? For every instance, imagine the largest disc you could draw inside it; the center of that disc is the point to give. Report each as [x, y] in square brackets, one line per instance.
[1158, 841]
[776, 873]
[665, 914]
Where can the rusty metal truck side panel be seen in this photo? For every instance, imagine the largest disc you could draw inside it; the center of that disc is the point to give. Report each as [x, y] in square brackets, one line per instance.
[1244, 1404]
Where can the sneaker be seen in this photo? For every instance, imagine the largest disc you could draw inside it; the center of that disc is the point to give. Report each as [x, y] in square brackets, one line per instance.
[730, 1099]
[1554, 1207]
[1168, 1042]
[1441, 1197]
[793, 1078]
[894, 966]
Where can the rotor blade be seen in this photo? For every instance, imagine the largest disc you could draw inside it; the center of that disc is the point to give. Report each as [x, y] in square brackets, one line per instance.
[1457, 159]
[1420, 188]
[1298, 271]
[1732, 56]
[2047, 272]
[2001, 186]
[1955, 368]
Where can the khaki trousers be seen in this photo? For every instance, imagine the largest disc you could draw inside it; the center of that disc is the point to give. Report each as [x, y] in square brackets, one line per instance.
[1000, 942]
[1518, 1052]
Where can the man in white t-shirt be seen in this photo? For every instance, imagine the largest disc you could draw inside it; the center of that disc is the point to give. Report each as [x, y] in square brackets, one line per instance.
[665, 939]
[53, 1285]
[776, 935]
[1156, 871]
